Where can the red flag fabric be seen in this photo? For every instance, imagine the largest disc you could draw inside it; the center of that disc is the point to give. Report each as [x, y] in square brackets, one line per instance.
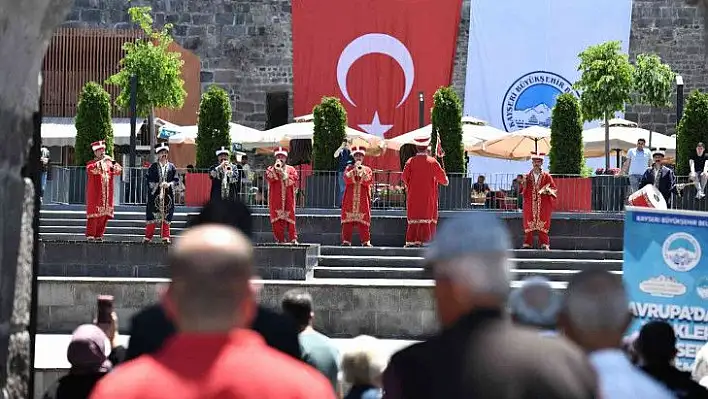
[439, 152]
[375, 56]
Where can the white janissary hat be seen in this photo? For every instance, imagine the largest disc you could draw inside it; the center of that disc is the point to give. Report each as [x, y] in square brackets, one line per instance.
[162, 147]
[421, 141]
[659, 151]
[97, 145]
[358, 150]
[281, 151]
[222, 150]
[538, 155]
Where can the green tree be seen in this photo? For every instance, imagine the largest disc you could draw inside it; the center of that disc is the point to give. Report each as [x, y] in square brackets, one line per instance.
[566, 155]
[605, 84]
[692, 129]
[158, 70]
[93, 122]
[447, 120]
[654, 83]
[330, 119]
[213, 126]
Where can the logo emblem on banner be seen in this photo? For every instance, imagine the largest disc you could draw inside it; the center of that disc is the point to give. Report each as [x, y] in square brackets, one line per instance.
[530, 99]
[681, 252]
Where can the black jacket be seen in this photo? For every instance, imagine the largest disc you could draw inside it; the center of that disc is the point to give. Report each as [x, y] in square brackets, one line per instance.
[678, 382]
[484, 356]
[667, 182]
[151, 327]
[73, 386]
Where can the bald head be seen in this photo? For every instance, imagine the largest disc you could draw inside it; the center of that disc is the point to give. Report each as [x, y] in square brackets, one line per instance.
[211, 266]
[595, 306]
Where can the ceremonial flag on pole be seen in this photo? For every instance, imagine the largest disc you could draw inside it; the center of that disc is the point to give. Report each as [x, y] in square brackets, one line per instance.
[439, 152]
[375, 56]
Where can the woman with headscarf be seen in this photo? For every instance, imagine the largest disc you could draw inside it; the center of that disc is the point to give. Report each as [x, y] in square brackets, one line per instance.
[88, 356]
[535, 304]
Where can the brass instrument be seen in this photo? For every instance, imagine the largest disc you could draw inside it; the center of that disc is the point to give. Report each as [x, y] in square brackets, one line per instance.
[359, 169]
[278, 164]
[227, 172]
[163, 179]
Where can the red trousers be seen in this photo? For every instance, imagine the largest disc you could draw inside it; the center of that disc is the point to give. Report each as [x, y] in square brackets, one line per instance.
[96, 227]
[279, 227]
[543, 238]
[348, 232]
[164, 230]
[420, 233]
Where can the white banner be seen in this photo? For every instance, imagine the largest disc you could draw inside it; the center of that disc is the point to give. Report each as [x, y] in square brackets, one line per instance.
[523, 53]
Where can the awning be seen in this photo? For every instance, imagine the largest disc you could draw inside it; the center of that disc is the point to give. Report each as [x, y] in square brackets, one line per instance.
[61, 131]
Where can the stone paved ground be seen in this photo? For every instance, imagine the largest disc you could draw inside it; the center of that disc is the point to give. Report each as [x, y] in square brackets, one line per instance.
[51, 349]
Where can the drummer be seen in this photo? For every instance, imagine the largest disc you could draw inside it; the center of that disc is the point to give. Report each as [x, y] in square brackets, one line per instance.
[661, 177]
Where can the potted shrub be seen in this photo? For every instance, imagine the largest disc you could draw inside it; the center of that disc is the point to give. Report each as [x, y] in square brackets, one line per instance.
[447, 121]
[566, 155]
[213, 132]
[330, 120]
[93, 123]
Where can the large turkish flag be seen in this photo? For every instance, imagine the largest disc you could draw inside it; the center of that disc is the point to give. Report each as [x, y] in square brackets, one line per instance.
[375, 56]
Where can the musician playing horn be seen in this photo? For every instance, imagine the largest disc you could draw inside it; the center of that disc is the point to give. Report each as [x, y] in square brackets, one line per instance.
[539, 192]
[99, 191]
[282, 180]
[661, 177]
[225, 177]
[161, 178]
[356, 204]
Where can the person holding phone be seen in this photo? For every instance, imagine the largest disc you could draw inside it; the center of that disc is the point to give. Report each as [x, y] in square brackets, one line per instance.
[107, 321]
[344, 155]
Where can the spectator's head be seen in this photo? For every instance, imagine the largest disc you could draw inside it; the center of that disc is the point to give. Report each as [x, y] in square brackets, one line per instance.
[519, 178]
[362, 364]
[641, 143]
[535, 304]
[244, 159]
[469, 260]
[88, 351]
[480, 179]
[211, 266]
[700, 149]
[298, 305]
[656, 344]
[595, 312]
[230, 212]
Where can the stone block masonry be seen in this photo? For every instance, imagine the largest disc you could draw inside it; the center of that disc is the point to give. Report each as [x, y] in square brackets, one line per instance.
[246, 45]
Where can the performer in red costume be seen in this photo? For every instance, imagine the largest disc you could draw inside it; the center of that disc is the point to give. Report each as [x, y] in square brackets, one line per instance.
[421, 177]
[539, 192]
[282, 179]
[356, 205]
[99, 191]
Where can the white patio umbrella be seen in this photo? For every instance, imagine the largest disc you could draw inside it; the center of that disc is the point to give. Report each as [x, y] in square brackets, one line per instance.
[474, 132]
[516, 145]
[305, 130]
[623, 136]
[249, 138]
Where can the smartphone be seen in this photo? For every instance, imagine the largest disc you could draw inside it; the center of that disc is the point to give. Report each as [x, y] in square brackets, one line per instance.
[105, 309]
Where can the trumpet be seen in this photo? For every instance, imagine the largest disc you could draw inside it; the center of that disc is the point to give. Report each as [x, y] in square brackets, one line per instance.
[278, 164]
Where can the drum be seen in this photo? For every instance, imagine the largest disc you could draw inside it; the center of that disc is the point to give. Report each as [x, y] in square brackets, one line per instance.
[648, 197]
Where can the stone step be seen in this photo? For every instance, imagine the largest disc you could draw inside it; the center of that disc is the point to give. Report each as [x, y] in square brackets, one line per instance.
[328, 250]
[414, 261]
[411, 273]
[113, 230]
[50, 223]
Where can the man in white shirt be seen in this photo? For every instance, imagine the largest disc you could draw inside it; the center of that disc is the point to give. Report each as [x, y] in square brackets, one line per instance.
[595, 314]
[638, 160]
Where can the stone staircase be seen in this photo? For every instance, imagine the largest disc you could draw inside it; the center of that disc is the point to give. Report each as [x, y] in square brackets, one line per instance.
[408, 263]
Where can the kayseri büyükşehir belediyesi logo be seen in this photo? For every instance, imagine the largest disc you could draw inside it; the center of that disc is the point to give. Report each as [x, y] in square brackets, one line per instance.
[530, 99]
[681, 252]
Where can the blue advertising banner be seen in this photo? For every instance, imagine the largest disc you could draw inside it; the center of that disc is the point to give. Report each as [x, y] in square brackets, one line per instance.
[666, 274]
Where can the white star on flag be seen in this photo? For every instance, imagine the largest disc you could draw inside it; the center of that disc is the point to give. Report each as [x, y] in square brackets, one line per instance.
[376, 128]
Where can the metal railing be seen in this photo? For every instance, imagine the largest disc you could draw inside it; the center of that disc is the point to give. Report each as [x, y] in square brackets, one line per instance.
[499, 192]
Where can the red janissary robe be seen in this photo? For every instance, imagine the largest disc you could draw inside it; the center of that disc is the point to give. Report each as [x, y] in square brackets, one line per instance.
[537, 207]
[99, 188]
[281, 194]
[356, 204]
[421, 176]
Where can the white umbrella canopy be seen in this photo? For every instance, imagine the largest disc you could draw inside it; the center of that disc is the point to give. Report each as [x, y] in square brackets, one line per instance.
[249, 138]
[623, 137]
[305, 130]
[516, 145]
[474, 132]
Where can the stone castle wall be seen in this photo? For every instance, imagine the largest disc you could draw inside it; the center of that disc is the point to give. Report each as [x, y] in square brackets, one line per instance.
[246, 46]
